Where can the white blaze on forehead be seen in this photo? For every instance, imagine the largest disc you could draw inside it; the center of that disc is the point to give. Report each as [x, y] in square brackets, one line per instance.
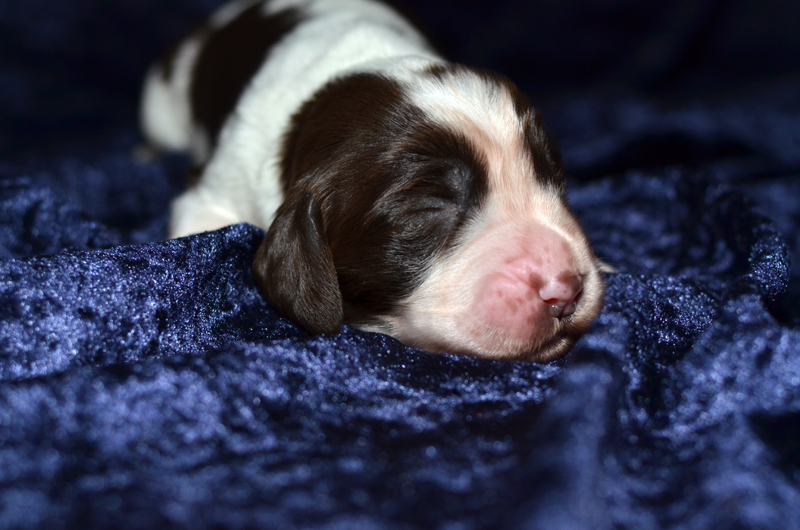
[461, 97]
[483, 111]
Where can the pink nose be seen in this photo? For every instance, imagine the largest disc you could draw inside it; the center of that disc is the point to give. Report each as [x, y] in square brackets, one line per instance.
[561, 294]
[525, 300]
[521, 306]
[524, 295]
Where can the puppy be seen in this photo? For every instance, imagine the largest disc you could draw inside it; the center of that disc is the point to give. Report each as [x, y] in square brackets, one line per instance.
[402, 194]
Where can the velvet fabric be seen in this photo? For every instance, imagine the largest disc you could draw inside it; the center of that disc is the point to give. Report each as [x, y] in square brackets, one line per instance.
[146, 384]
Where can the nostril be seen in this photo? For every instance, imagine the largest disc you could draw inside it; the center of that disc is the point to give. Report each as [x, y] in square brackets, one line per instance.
[558, 311]
[561, 295]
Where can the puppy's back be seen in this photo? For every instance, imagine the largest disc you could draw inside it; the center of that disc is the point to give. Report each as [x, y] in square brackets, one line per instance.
[276, 53]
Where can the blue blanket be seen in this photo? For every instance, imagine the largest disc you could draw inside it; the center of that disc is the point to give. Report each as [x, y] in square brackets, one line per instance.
[146, 384]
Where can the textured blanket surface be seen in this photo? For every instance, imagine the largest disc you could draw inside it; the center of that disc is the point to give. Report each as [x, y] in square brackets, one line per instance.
[146, 384]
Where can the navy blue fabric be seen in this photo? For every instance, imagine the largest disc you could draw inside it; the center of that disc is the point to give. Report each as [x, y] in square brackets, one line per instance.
[146, 384]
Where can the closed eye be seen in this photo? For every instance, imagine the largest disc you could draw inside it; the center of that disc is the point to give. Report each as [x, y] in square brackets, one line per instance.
[436, 209]
[432, 201]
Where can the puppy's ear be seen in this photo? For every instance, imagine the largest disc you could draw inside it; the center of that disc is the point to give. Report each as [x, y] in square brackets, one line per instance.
[294, 268]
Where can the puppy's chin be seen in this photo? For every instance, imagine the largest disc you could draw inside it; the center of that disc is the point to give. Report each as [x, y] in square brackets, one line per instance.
[497, 347]
[541, 346]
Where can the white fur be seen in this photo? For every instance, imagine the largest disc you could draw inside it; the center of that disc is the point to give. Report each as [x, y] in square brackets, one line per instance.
[165, 113]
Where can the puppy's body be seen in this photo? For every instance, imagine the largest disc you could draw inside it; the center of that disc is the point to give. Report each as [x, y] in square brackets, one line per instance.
[308, 44]
[402, 194]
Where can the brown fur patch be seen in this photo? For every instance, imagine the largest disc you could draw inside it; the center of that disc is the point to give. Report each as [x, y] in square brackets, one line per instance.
[229, 59]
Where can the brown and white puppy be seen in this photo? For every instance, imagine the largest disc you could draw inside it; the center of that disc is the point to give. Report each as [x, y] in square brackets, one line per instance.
[401, 193]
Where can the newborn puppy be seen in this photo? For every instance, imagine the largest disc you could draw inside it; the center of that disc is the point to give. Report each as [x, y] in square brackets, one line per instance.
[402, 194]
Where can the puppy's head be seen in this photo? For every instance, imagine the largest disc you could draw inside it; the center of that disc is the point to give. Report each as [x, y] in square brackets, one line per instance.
[429, 206]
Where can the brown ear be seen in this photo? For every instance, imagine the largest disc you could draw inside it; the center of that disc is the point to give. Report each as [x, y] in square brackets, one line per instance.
[294, 268]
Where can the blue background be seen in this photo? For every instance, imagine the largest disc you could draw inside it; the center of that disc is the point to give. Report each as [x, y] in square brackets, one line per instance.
[146, 384]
